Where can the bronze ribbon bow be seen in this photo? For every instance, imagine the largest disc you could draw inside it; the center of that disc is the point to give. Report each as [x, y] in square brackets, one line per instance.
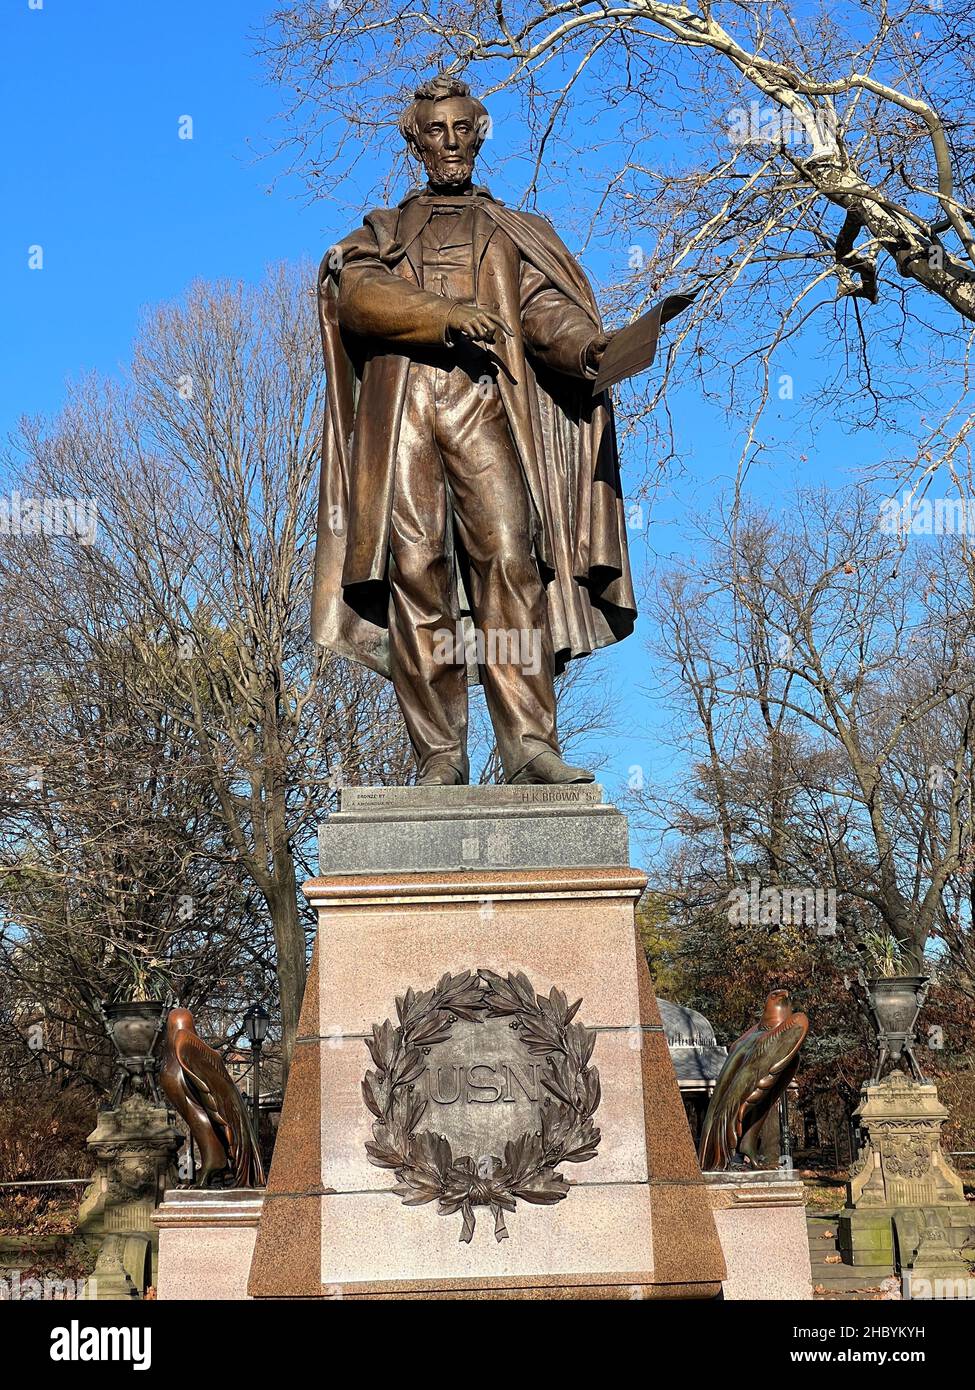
[484, 1192]
[467, 1211]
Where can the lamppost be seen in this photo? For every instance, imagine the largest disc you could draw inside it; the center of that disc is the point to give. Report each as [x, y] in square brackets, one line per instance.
[785, 1134]
[256, 1020]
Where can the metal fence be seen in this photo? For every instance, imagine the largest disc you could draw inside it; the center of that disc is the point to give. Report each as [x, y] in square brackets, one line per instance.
[47, 1182]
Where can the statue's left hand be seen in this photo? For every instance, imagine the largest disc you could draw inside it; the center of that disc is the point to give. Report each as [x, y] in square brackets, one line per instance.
[594, 351]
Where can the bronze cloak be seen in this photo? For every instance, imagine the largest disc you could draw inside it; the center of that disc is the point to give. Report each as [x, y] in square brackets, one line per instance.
[565, 439]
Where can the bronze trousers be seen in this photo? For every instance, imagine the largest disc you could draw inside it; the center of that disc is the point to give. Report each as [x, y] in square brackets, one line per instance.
[459, 479]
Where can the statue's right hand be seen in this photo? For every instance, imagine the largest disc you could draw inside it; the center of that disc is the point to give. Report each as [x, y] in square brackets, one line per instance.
[480, 325]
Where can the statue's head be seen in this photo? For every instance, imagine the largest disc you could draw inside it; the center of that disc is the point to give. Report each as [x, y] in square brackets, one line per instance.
[777, 1006]
[178, 1020]
[445, 127]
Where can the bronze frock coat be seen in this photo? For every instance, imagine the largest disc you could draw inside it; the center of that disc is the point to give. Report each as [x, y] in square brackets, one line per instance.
[373, 313]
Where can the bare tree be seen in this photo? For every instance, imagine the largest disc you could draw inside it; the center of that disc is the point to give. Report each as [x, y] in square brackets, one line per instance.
[830, 672]
[116, 878]
[811, 171]
[203, 469]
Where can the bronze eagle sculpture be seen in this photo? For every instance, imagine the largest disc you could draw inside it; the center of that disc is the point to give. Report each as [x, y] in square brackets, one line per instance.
[760, 1066]
[202, 1091]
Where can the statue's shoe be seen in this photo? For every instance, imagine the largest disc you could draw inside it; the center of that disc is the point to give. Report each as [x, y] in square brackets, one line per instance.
[442, 773]
[548, 769]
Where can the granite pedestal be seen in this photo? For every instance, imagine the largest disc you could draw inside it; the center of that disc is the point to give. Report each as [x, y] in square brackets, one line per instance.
[206, 1242]
[761, 1219]
[439, 829]
[418, 884]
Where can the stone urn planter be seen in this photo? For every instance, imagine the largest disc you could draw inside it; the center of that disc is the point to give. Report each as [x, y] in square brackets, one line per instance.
[134, 1026]
[894, 1002]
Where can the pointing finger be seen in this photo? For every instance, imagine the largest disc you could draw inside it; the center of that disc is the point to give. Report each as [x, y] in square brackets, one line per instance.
[499, 322]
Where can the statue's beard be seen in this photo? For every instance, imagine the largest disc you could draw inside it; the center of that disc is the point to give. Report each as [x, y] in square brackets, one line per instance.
[449, 174]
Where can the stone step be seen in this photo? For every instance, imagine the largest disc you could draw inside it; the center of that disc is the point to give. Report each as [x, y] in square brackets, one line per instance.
[870, 1272]
[849, 1284]
[818, 1240]
[837, 1277]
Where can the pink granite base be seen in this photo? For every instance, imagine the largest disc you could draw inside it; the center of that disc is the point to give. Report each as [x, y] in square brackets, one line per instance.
[761, 1220]
[206, 1242]
[637, 1221]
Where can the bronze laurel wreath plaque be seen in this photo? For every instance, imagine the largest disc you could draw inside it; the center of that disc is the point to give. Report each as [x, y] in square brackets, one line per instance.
[398, 1094]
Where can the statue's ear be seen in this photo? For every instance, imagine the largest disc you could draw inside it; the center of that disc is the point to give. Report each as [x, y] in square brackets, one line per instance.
[412, 145]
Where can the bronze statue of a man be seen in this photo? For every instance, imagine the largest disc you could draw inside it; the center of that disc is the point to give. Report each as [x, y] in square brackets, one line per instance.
[470, 500]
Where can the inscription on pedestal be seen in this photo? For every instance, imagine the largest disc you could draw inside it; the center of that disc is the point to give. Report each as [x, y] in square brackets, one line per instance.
[472, 798]
[482, 1088]
[479, 1093]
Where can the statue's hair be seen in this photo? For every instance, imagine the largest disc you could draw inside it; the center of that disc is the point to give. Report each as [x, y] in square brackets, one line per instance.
[439, 88]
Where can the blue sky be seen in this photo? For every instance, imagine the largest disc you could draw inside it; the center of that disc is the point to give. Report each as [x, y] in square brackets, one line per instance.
[127, 213]
[94, 171]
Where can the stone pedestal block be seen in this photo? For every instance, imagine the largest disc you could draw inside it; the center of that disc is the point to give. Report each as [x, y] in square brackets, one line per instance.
[905, 1206]
[479, 1078]
[867, 1238]
[135, 1147]
[206, 1241]
[761, 1220]
[423, 829]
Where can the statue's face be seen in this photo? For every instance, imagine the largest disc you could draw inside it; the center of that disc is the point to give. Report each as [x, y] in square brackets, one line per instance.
[447, 141]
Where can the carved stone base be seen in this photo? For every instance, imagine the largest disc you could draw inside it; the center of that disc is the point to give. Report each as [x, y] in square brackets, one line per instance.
[906, 1206]
[134, 1146]
[867, 1238]
[123, 1269]
[632, 1218]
